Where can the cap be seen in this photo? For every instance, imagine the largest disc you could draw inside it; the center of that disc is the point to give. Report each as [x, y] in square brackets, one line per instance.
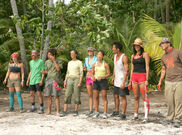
[91, 49]
[165, 40]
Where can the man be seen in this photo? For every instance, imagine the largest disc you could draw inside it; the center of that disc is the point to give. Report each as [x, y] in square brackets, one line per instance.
[35, 80]
[120, 80]
[53, 68]
[172, 68]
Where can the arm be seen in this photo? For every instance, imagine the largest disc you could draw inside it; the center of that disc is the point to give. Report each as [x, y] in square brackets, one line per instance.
[27, 83]
[66, 77]
[163, 72]
[81, 74]
[56, 65]
[132, 67]
[113, 76]
[126, 69]
[93, 72]
[147, 61]
[43, 68]
[7, 76]
[22, 74]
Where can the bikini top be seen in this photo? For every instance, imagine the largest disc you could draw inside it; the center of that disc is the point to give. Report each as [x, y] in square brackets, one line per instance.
[14, 69]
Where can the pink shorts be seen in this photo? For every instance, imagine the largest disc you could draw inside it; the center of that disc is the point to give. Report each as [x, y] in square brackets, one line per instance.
[89, 80]
[138, 77]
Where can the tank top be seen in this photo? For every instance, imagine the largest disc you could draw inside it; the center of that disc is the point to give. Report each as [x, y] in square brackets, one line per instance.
[119, 72]
[14, 69]
[100, 70]
[139, 65]
[87, 65]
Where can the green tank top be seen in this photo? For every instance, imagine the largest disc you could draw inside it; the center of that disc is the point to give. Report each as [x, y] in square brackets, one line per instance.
[100, 70]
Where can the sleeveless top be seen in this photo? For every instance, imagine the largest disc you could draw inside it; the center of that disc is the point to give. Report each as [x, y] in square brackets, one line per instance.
[100, 70]
[119, 72]
[139, 65]
[87, 65]
[14, 69]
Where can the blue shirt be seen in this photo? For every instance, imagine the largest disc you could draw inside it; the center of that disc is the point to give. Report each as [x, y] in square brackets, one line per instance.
[94, 59]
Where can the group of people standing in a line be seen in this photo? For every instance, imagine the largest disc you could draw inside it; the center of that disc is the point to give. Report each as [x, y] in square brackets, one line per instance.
[97, 72]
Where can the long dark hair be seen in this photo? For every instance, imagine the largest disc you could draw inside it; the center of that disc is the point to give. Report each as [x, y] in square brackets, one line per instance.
[141, 51]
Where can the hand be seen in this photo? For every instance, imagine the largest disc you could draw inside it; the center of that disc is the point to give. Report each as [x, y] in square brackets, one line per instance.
[112, 81]
[22, 83]
[79, 85]
[146, 83]
[159, 86]
[65, 84]
[43, 72]
[129, 86]
[93, 78]
[41, 83]
[27, 83]
[4, 82]
[122, 86]
[99, 78]
[84, 68]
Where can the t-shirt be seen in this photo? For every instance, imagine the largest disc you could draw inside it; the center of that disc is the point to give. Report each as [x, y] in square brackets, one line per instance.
[35, 68]
[87, 65]
[52, 73]
[173, 64]
[74, 69]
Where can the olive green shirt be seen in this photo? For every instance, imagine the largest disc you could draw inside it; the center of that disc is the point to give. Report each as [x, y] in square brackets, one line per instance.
[52, 73]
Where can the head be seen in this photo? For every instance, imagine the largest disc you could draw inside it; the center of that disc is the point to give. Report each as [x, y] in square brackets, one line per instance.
[34, 54]
[138, 46]
[73, 54]
[91, 51]
[51, 52]
[100, 55]
[14, 57]
[165, 44]
[117, 47]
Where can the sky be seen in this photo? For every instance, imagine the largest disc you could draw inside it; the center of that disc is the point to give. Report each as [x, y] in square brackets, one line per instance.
[66, 1]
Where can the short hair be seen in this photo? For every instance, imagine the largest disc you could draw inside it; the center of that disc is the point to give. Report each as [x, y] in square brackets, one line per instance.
[118, 45]
[103, 53]
[52, 51]
[76, 52]
[34, 51]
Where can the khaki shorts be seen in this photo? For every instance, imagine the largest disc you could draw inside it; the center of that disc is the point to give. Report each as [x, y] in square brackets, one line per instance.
[50, 90]
[14, 83]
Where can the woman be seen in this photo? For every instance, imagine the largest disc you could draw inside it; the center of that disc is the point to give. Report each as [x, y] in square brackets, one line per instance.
[52, 89]
[139, 76]
[73, 82]
[15, 78]
[100, 72]
[89, 61]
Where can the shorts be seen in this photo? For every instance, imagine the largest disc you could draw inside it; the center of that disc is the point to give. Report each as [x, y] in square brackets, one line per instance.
[121, 92]
[100, 85]
[14, 83]
[89, 80]
[138, 77]
[50, 89]
[35, 87]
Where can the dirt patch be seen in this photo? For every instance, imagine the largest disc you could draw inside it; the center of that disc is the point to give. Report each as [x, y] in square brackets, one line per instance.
[36, 124]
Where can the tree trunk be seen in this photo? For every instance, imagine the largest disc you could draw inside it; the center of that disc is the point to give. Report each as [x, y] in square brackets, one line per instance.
[43, 20]
[133, 14]
[24, 8]
[162, 11]
[49, 26]
[155, 9]
[167, 12]
[20, 36]
[174, 9]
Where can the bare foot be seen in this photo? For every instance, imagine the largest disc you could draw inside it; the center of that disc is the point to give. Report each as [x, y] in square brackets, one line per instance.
[48, 113]
[57, 113]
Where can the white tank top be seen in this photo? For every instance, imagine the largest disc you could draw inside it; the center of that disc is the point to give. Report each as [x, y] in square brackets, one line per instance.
[119, 72]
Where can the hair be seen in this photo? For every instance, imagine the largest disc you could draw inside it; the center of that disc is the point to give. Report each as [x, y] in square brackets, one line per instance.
[101, 52]
[52, 52]
[34, 51]
[141, 51]
[18, 59]
[118, 45]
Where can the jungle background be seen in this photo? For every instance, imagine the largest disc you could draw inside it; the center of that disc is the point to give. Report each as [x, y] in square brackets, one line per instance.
[43, 24]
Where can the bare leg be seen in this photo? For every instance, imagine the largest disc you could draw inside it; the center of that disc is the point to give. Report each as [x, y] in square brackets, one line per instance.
[104, 97]
[96, 100]
[90, 94]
